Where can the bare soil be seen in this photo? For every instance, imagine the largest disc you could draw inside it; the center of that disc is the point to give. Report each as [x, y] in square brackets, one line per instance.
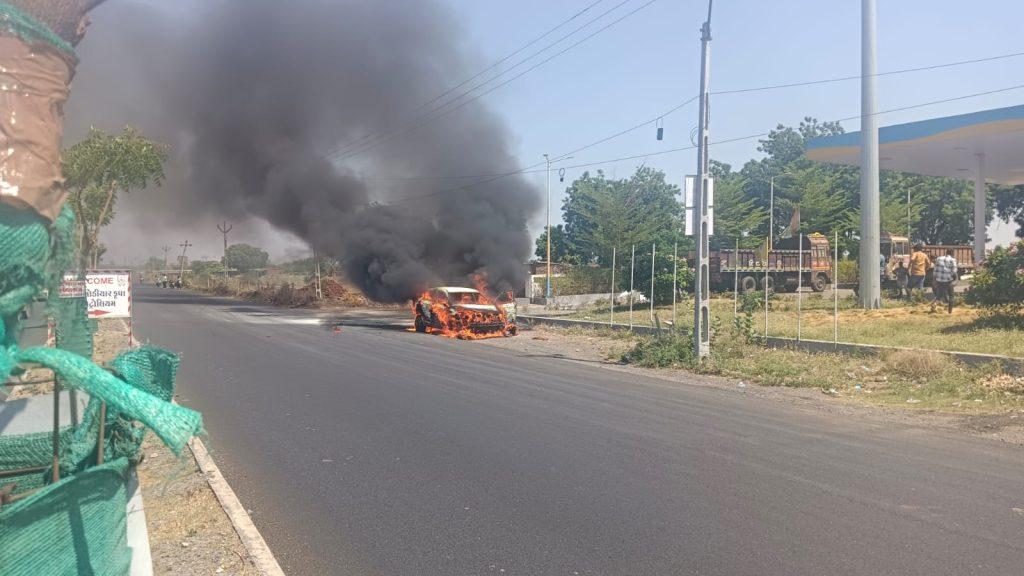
[189, 533]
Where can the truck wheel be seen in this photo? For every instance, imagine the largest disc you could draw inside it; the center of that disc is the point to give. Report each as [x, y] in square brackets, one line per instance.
[768, 283]
[818, 283]
[748, 284]
[421, 325]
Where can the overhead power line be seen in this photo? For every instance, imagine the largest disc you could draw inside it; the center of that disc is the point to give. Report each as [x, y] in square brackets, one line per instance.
[343, 147]
[530, 169]
[733, 91]
[426, 119]
[858, 77]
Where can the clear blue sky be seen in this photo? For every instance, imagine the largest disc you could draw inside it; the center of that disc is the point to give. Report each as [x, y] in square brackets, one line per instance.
[649, 62]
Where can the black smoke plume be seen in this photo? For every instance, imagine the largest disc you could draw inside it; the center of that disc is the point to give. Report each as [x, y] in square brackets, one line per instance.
[255, 94]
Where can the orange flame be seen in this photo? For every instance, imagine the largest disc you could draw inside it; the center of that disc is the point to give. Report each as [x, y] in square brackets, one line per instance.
[466, 324]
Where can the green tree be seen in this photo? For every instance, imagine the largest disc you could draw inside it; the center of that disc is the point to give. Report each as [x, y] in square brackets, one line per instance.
[737, 214]
[559, 248]
[208, 267]
[98, 169]
[601, 214]
[244, 257]
[1009, 204]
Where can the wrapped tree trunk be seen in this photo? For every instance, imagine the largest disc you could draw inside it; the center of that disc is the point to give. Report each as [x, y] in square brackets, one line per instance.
[37, 62]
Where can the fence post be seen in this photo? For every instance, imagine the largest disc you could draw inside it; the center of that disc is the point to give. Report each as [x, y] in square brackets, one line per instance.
[835, 296]
[675, 275]
[767, 266]
[652, 282]
[799, 286]
[736, 280]
[632, 257]
[611, 306]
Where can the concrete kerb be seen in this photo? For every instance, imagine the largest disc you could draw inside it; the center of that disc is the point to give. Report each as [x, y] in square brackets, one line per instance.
[250, 536]
[1009, 364]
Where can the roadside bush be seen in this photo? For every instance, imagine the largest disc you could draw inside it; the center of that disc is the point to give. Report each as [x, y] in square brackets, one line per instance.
[847, 273]
[999, 283]
[918, 365]
[673, 349]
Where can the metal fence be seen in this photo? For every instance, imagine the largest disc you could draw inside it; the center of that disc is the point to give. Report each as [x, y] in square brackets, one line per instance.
[780, 294]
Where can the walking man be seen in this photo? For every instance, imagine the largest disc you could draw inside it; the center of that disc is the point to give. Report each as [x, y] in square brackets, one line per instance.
[920, 263]
[945, 276]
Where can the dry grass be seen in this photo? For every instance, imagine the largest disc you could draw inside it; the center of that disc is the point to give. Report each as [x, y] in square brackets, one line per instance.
[898, 325]
[188, 531]
[918, 365]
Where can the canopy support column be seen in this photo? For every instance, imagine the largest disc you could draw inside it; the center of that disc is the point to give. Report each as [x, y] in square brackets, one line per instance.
[980, 208]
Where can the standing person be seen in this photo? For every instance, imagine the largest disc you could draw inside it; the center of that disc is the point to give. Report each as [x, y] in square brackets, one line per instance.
[920, 263]
[902, 276]
[945, 276]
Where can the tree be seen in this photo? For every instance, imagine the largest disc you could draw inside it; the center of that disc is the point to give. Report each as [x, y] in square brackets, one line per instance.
[99, 168]
[601, 214]
[559, 249]
[208, 267]
[737, 214]
[1009, 203]
[243, 257]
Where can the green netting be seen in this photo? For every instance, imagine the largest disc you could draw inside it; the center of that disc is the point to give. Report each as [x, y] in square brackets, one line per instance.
[24, 26]
[72, 327]
[75, 526]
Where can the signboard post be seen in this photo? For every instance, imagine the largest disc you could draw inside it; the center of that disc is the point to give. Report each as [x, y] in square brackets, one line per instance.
[108, 293]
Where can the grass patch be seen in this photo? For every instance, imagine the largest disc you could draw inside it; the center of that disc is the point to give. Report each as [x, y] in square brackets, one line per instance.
[899, 324]
[670, 350]
[908, 379]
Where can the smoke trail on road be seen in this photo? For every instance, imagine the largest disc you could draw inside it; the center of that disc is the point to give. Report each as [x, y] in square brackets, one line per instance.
[260, 90]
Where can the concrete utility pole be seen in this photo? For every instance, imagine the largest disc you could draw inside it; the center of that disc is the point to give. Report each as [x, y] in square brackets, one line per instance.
[184, 247]
[870, 219]
[166, 249]
[224, 230]
[980, 209]
[701, 314]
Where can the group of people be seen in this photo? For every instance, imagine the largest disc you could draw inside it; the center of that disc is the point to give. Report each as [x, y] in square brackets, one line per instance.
[163, 282]
[911, 276]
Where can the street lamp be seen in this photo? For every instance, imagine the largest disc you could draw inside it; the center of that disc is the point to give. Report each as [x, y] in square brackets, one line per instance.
[547, 215]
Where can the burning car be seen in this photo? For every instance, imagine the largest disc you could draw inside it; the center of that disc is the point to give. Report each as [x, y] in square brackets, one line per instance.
[467, 313]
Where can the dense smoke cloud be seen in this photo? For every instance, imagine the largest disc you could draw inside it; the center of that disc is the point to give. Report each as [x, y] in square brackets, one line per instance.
[253, 94]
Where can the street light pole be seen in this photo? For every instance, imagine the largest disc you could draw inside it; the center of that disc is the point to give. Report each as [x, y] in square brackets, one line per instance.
[547, 214]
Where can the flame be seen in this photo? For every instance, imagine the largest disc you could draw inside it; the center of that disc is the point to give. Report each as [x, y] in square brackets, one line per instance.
[465, 324]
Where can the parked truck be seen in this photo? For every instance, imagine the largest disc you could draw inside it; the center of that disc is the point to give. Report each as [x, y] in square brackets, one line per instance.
[896, 248]
[781, 270]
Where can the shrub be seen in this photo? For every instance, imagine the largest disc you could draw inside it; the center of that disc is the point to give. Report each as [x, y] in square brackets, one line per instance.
[847, 272]
[671, 349]
[919, 365]
[999, 283]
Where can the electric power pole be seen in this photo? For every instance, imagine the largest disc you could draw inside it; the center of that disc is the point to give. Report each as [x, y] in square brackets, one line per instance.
[166, 249]
[184, 247]
[547, 215]
[701, 313]
[224, 230]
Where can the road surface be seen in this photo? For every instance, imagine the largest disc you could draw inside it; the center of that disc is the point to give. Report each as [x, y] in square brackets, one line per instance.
[381, 451]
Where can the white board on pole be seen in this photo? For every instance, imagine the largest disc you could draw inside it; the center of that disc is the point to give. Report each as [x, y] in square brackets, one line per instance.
[109, 294]
[689, 200]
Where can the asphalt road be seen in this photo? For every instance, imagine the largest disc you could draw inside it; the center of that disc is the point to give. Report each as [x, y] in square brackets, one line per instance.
[380, 451]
